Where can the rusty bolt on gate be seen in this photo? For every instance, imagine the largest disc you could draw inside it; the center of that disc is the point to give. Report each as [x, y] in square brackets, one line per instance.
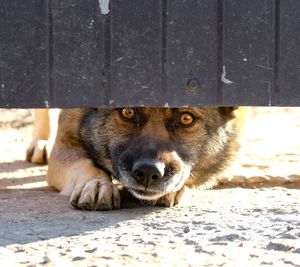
[192, 86]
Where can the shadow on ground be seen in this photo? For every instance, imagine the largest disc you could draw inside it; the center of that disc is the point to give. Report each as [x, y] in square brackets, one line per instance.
[41, 213]
[37, 213]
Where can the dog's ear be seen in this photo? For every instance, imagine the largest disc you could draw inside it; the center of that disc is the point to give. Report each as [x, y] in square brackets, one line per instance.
[228, 112]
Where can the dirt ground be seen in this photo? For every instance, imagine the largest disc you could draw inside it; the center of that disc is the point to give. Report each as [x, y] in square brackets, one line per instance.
[251, 219]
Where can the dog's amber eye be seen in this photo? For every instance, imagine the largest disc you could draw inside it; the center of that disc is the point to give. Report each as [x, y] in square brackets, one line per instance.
[186, 119]
[128, 113]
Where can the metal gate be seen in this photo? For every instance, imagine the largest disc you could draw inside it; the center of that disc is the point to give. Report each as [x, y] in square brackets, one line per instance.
[94, 53]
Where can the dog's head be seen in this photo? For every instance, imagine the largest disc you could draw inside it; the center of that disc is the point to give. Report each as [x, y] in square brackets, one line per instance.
[155, 151]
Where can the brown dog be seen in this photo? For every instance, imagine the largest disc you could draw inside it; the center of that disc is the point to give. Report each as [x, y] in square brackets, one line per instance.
[153, 152]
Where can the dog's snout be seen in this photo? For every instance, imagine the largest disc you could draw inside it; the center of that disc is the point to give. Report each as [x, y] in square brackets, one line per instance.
[146, 172]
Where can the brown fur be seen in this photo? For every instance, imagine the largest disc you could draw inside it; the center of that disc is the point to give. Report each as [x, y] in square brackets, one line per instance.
[92, 145]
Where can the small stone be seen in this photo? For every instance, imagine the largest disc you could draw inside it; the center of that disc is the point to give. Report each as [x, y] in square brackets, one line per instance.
[19, 249]
[266, 263]
[296, 250]
[288, 236]
[186, 229]
[289, 262]
[90, 250]
[278, 246]
[190, 242]
[46, 260]
[230, 237]
[78, 258]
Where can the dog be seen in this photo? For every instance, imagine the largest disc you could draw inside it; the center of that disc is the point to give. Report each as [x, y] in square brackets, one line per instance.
[154, 153]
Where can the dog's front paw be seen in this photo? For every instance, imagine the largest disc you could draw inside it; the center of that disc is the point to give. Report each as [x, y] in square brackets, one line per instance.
[171, 199]
[96, 195]
[38, 152]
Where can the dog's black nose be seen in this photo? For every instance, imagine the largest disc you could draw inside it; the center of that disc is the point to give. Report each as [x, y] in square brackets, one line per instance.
[147, 172]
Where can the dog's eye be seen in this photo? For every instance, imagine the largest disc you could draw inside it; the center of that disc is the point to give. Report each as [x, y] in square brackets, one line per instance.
[186, 119]
[128, 113]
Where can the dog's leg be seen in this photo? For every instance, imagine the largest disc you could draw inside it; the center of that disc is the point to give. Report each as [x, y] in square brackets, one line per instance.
[43, 137]
[53, 122]
[73, 174]
[36, 152]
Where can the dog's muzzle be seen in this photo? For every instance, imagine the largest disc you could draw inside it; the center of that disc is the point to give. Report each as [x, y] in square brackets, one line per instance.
[150, 176]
